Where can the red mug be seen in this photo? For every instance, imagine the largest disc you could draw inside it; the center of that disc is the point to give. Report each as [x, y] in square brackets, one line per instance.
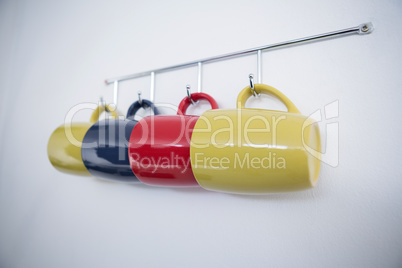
[159, 147]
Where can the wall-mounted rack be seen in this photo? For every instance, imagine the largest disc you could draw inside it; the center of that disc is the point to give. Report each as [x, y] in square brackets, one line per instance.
[364, 28]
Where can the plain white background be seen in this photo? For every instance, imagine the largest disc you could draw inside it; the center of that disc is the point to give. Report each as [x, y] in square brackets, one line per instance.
[56, 54]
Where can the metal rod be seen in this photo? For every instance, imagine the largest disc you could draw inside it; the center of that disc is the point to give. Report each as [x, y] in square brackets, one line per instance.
[115, 93]
[199, 76]
[152, 91]
[364, 28]
[259, 66]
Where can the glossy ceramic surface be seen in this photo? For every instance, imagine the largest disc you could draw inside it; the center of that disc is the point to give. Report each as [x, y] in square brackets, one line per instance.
[105, 146]
[159, 148]
[255, 150]
[64, 146]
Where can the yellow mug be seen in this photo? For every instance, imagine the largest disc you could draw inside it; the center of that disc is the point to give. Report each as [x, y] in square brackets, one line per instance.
[248, 151]
[64, 147]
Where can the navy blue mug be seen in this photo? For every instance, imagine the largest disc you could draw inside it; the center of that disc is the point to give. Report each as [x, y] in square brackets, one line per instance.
[105, 145]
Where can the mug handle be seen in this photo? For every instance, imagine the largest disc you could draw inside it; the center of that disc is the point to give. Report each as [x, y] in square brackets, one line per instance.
[265, 89]
[185, 103]
[100, 109]
[137, 106]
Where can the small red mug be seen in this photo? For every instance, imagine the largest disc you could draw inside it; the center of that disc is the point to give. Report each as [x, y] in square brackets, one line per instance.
[159, 147]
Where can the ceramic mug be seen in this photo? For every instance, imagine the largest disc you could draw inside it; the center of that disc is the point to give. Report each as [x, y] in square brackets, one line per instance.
[64, 146]
[159, 148]
[105, 145]
[247, 150]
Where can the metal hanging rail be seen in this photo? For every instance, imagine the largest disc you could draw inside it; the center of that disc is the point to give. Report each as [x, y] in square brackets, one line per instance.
[364, 28]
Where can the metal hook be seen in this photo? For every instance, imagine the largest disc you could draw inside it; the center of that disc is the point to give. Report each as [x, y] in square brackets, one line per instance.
[115, 93]
[103, 104]
[152, 90]
[251, 77]
[139, 97]
[189, 95]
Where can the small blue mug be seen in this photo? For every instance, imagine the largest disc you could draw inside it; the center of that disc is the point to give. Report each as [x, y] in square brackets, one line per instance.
[105, 145]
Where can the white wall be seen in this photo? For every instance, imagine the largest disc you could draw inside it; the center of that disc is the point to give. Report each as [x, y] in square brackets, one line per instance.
[56, 54]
